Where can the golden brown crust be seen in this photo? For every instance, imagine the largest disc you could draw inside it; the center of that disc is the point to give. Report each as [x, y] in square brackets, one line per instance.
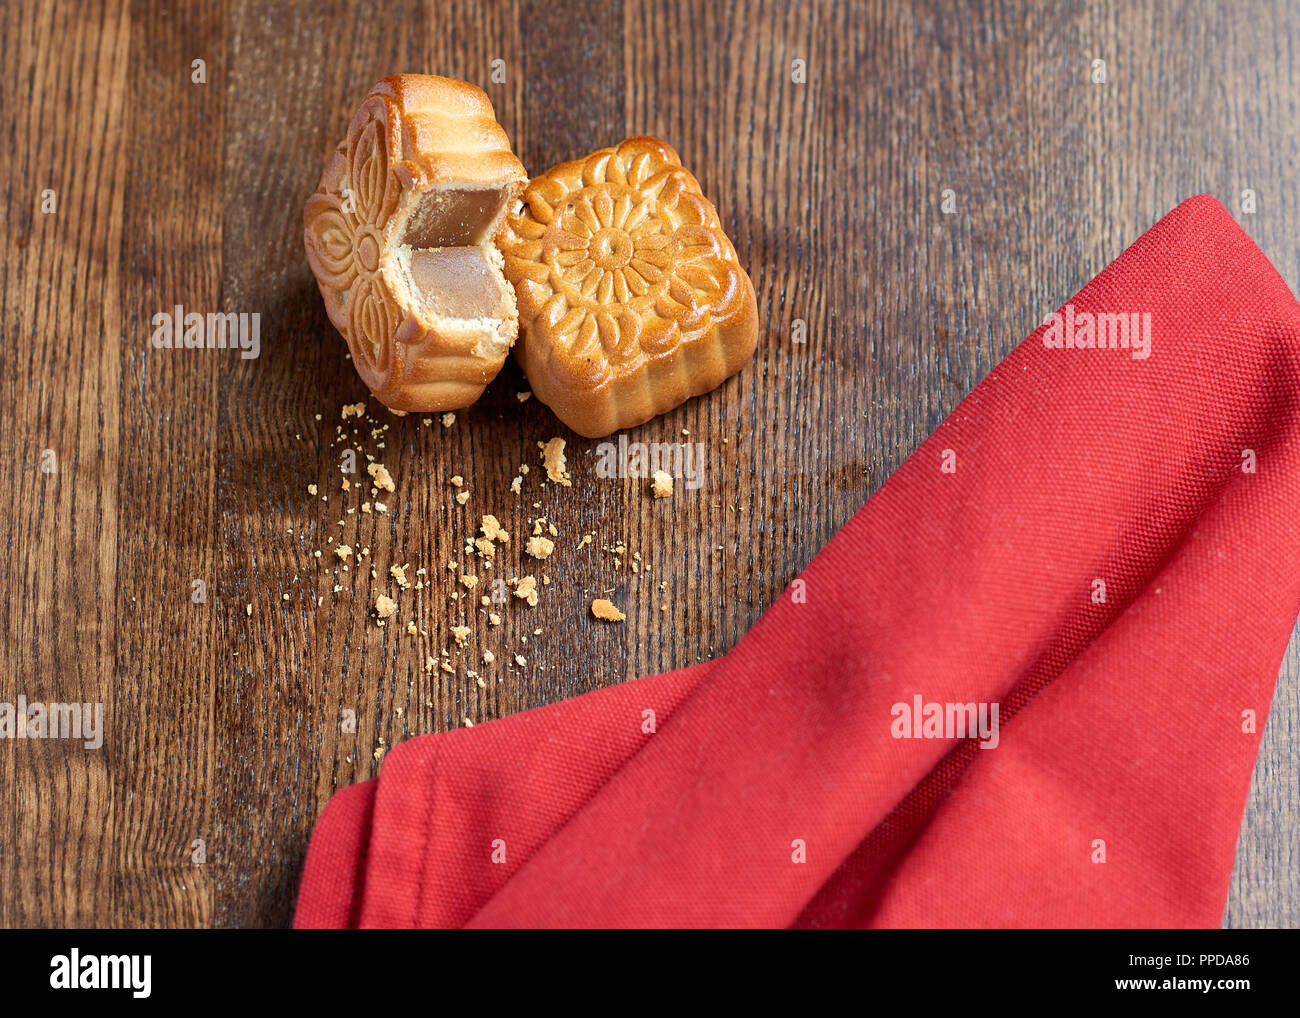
[412, 134]
[631, 298]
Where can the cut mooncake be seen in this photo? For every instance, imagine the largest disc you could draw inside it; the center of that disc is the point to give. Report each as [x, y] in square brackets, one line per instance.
[400, 238]
[631, 299]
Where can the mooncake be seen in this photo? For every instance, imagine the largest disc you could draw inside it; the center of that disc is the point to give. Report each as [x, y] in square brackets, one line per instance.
[399, 236]
[631, 299]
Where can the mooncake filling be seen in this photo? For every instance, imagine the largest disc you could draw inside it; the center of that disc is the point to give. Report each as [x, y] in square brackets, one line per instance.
[454, 217]
[458, 282]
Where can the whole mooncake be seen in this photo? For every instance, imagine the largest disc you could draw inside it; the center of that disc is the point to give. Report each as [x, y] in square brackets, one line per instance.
[400, 238]
[631, 299]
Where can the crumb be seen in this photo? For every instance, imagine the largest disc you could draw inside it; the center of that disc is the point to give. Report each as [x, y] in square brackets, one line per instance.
[461, 633]
[385, 606]
[383, 479]
[553, 460]
[604, 609]
[488, 657]
[539, 547]
[516, 484]
[493, 531]
[469, 581]
[526, 589]
[494, 618]
[395, 413]
[521, 660]
[398, 573]
[410, 629]
[311, 489]
[448, 420]
[462, 497]
[457, 481]
[485, 546]
[381, 507]
[662, 486]
[354, 409]
[343, 551]
[523, 396]
[248, 609]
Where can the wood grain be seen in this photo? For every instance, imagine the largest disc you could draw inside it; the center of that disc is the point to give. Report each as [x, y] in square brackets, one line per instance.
[225, 723]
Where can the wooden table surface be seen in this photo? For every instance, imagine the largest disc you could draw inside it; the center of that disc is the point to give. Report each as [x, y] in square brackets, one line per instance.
[224, 725]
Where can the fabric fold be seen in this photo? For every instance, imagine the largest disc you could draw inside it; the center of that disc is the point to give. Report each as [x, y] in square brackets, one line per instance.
[1097, 541]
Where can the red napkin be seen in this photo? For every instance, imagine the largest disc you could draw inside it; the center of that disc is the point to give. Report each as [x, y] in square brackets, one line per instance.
[772, 790]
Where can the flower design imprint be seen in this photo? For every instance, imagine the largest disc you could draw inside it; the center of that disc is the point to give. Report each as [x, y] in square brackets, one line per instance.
[621, 257]
[344, 221]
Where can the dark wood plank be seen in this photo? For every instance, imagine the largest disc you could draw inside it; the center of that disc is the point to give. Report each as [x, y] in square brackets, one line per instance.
[64, 97]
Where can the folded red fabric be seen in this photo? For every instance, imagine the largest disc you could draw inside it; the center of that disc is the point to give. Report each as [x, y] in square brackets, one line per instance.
[1100, 542]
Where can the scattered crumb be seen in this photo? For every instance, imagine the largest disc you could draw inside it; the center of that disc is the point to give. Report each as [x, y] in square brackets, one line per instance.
[539, 547]
[553, 460]
[354, 410]
[398, 573]
[604, 609]
[493, 530]
[461, 633]
[343, 551]
[385, 606]
[526, 589]
[383, 479]
[469, 581]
